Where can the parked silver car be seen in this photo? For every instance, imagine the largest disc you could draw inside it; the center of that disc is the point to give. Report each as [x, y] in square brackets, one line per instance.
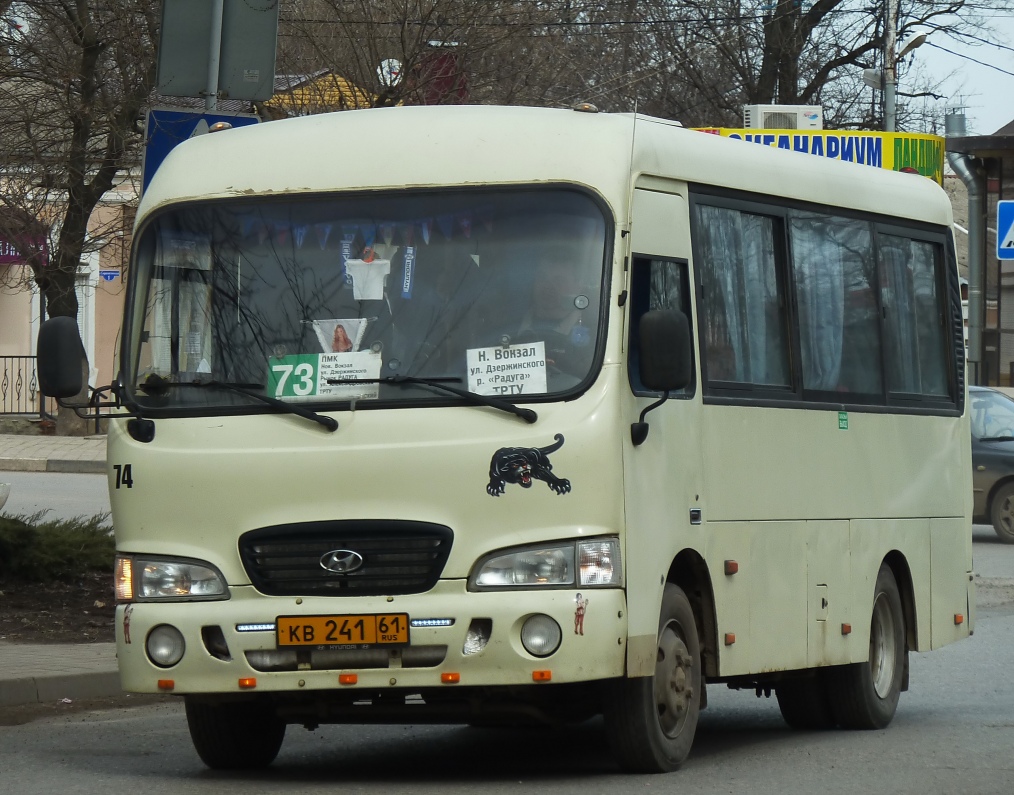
[992, 415]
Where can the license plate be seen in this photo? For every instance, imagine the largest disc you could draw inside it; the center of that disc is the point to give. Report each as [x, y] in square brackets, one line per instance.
[355, 631]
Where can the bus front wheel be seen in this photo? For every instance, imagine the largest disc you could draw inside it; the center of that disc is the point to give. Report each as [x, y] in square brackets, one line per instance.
[234, 735]
[865, 695]
[651, 721]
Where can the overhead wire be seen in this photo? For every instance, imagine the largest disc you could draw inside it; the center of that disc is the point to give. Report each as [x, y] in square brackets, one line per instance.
[968, 58]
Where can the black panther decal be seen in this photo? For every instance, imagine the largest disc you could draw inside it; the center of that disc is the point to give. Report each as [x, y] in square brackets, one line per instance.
[521, 464]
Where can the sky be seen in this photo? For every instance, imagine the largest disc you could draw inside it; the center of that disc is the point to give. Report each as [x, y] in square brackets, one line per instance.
[987, 94]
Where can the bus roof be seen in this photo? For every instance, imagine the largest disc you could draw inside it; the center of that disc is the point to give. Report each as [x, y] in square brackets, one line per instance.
[421, 147]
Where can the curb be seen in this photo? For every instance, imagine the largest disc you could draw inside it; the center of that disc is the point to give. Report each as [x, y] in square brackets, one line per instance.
[88, 467]
[43, 689]
[52, 465]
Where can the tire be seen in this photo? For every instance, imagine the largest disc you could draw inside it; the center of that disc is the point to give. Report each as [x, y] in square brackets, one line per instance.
[865, 695]
[651, 721]
[234, 736]
[804, 704]
[1001, 513]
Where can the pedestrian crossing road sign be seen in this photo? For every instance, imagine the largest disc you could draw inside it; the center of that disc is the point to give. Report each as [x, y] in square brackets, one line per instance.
[1005, 229]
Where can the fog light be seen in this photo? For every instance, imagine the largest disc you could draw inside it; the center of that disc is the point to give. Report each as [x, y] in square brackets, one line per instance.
[541, 636]
[165, 646]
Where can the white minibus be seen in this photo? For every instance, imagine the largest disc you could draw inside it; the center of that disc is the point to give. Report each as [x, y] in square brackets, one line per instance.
[502, 416]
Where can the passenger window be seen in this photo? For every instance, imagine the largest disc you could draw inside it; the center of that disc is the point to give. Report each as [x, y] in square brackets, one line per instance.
[915, 314]
[744, 336]
[839, 323]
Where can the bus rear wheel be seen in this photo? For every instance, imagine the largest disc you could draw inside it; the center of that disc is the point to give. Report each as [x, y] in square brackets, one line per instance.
[865, 695]
[651, 721]
[234, 735]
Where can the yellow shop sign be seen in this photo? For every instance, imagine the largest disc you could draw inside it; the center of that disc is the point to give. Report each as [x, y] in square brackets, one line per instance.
[896, 151]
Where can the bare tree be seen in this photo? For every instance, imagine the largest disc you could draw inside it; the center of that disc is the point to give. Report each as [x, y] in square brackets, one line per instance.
[74, 77]
[698, 61]
[714, 56]
[441, 51]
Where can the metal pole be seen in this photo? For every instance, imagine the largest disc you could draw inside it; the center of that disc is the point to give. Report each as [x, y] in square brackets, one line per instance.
[42, 319]
[968, 169]
[217, 12]
[890, 68]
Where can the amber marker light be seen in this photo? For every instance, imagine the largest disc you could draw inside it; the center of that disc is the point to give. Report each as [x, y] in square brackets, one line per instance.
[730, 638]
[959, 619]
[542, 676]
[166, 684]
[450, 678]
[124, 580]
[846, 629]
[247, 682]
[348, 679]
[731, 567]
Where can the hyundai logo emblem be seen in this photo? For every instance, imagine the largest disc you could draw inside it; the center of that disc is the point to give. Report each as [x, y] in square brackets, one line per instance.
[341, 561]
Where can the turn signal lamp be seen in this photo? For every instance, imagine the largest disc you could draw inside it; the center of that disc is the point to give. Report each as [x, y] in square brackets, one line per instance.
[450, 678]
[348, 679]
[247, 683]
[166, 684]
[959, 618]
[542, 676]
[124, 580]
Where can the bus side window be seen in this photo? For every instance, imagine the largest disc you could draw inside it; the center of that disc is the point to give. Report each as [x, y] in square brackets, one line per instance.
[655, 284]
[741, 299]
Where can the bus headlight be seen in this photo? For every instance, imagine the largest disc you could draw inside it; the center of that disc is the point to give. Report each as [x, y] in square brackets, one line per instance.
[586, 563]
[142, 579]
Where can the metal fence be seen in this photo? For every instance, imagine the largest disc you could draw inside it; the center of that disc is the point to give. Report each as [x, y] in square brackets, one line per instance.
[19, 388]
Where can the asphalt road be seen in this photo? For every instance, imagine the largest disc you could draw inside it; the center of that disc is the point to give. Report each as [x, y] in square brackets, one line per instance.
[60, 495]
[953, 733]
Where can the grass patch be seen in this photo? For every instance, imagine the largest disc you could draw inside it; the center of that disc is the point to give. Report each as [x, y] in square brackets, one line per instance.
[34, 550]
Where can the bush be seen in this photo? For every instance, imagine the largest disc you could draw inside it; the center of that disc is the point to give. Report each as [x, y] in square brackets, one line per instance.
[32, 550]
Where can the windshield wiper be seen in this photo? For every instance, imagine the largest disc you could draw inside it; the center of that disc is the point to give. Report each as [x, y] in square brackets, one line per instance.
[154, 385]
[441, 383]
[997, 439]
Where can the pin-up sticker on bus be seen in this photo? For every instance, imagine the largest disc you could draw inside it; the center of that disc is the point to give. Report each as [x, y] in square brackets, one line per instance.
[340, 335]
[522, 465]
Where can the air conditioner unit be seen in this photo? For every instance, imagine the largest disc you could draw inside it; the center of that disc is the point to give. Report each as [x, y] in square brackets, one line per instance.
[783, 117]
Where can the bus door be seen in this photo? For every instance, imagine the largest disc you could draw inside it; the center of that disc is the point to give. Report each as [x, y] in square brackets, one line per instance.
[662, 475]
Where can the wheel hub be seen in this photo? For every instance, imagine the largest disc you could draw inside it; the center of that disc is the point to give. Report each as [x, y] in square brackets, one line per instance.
[673, 681]
[883, 650]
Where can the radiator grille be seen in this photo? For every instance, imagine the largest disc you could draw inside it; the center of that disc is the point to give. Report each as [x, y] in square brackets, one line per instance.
[397, 557]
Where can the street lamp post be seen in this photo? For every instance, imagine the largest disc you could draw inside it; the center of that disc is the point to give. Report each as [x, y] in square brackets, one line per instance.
[890, 70]
[889, 78]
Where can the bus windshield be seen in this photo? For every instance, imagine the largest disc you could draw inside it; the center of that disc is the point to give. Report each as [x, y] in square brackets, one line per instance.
[333, 299]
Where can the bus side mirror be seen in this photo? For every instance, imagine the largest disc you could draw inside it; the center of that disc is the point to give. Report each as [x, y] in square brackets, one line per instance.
[665, 350]
[664, 359]
[61, 358]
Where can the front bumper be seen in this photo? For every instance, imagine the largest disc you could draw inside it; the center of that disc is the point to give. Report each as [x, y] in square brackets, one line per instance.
[253, 661]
